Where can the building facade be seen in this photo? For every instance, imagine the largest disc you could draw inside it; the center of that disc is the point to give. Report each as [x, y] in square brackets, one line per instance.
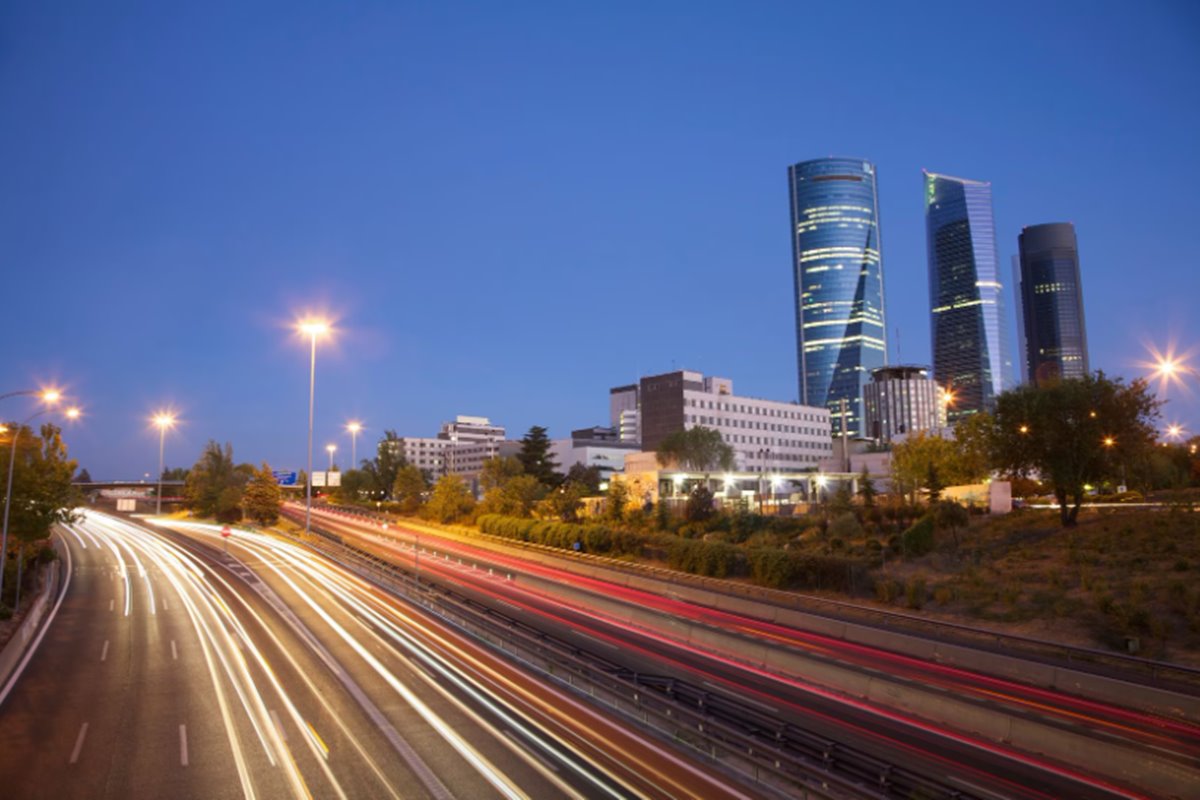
[764, 434]
[466, 430]
[623, 412]
[428, 455]
[1054, 337]
[971, 359]
[902, 400]
[838, 279]
[593, 447]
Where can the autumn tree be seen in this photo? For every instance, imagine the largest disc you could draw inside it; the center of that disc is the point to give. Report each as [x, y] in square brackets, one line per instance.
[262, 497]
[214, 484]
[450, 501]
[409, 489]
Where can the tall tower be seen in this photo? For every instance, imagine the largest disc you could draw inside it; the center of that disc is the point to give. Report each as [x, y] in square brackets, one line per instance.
[971, 360]
[840, 326]
[1055, 339]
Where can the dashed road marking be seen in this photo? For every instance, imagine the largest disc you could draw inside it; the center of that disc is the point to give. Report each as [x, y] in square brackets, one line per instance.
[110, 604]
[104, 651]
[183, 754]
[78, 744]
[174, 652]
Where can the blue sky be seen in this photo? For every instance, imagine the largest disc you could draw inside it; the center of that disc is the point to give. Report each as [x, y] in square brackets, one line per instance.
[513, 207]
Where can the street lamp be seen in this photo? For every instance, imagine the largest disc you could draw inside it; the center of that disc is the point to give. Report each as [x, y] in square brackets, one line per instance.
[354, 426]
[50, 397]
[331, 449]
[312, 328]
[163, 420]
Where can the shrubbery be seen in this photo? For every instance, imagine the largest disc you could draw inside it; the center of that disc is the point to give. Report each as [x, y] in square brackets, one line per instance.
[918, 540]
[593, 538]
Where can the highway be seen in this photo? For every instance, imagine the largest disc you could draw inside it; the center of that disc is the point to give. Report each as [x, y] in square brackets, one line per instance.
[173, 669]
[978, 766]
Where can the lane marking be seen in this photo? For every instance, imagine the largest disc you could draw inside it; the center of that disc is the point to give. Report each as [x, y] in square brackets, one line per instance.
[104, 652]
[174, 652]
[110, 604]
[183, 754]
[78, 744]
[512, 737]
[166, 606]
[278, 725]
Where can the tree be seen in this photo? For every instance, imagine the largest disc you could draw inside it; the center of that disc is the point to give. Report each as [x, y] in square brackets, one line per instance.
[498, 471]
[83, 477]
[450, 501]
[263, 498]
[174, 473]
[949, 514]
[389, 458]
[587, 477]
[973, 437]
[696, 449]
[563, 503]
[409, 489]
[42, 493]
[214, 484]
[933, 483]
[920, 457]
[866, 488]
[617, 500]
[357, 486]
[535, 456]
[1074, 432]
[516, 498]
[700, 505]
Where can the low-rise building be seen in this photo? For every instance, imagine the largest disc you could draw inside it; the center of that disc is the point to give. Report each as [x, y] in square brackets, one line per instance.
[766, 435]
[902, 400]
[592, 447]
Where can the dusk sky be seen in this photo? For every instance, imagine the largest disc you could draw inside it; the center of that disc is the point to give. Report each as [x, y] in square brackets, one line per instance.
[512, 207]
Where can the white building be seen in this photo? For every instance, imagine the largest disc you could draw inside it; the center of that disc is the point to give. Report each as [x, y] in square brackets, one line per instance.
[428, 455]
[592, 447]
[623, 412]
[901, 400]
[766, 435]
[466, 460]
[464, 430]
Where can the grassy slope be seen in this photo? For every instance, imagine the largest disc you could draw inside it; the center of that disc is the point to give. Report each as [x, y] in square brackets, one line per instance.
[1118, 574]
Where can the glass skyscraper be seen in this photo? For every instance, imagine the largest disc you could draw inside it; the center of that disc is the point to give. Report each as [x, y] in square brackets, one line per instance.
[971, 359]
[840, 330]
[1054, 337]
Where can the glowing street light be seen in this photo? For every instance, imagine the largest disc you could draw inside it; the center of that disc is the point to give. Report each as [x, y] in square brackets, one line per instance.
[164, 421]
[1023, 429]
[312, 328]
[331, 449]
[354, 426]
[1174, 431]
[50, 398]
[1109, 441]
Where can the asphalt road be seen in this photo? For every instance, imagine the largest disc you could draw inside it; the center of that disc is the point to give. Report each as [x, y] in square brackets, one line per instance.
[175, 670]
[976, 766]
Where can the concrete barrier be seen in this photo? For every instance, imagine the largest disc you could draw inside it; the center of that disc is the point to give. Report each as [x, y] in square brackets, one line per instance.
[15, 648]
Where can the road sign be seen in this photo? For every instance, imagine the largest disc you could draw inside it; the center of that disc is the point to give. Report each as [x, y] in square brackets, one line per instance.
[225, 532]
[318, 479]
[285, 478]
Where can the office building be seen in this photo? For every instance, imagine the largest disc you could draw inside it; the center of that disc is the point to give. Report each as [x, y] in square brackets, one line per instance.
[902, 400]
[764, 434]
[623, 412]
[1054, 336]
[428, 455]
[840, 327]
[971, 358]
[466, 430]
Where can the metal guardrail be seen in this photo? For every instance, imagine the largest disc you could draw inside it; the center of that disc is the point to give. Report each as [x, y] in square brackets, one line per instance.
[752, 744]
[1085, 659]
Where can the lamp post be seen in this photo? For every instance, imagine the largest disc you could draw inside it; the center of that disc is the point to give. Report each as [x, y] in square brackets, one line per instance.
[312, 328]
[163, 420]
[331, 449]
[354, 426]
[50, 397]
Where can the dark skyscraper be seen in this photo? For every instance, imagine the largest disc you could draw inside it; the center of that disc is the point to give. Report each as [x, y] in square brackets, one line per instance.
[840, 330]
[1054, 336]
[970, 346]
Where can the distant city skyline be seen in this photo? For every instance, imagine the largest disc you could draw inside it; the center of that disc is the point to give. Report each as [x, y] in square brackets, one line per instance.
[508, 212]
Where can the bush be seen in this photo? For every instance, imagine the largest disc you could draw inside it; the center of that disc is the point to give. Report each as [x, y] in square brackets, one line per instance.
[914, 593]
[845, 527]
[918, 540]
